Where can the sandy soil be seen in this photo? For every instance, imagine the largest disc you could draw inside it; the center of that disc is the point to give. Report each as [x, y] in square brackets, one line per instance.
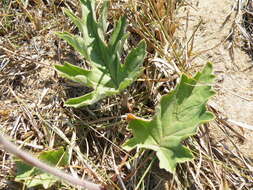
[234, 81]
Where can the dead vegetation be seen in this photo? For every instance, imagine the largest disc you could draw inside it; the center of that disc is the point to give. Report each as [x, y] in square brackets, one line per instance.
[32, 96]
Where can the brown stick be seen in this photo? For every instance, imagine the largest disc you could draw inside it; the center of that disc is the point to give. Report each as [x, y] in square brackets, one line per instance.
[26, 157]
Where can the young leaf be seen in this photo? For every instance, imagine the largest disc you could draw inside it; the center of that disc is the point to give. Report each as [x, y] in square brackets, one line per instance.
[177, 117]
[107, 75]
[32, 176]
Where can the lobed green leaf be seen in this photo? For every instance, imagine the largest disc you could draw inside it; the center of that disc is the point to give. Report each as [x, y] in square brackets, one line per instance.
[108, 76]
[177, 117]
[32, 176]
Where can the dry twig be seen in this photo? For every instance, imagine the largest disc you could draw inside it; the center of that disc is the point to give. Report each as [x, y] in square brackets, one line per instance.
[10, 147]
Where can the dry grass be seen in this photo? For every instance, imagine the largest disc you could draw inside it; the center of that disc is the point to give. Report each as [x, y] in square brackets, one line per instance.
[32, 112]
[245, 28]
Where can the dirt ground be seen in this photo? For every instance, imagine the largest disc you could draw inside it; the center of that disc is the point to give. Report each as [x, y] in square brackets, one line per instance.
[234, 86]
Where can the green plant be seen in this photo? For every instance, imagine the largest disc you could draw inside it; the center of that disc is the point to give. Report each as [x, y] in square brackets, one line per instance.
[32, 176]
[107, 75]
[177, 117]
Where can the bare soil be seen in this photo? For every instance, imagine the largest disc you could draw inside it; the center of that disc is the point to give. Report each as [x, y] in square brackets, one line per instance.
[234, 85]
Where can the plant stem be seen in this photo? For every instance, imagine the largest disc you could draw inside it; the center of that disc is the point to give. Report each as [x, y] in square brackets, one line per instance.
[26, 157]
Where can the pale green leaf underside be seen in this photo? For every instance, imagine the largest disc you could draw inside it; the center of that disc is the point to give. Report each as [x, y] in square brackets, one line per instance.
[177, 117]
[32, 176]
[107, 75]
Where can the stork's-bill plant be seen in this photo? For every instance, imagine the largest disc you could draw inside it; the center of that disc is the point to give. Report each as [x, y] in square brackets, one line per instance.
[178, 114]
[107, 75]
[177, 117]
